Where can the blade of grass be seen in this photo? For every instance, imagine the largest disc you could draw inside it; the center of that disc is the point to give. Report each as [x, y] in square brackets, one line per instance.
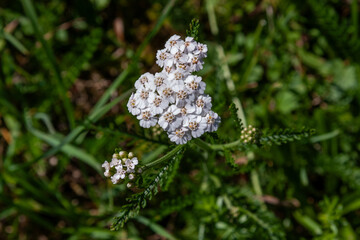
[7, 213]
[15, 128]
[210, 7]
[67, 149]
[93, 117]
[201, 232]
[155, 227]
[46, 119]
[29, 187]
[93, 232]
[13, 41]
[38, 220]
[353, 206]
[325, 136]
[30, 12]
[311, 225]
[355, 17]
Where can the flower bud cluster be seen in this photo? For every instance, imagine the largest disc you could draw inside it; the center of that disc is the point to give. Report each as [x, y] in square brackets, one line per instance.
[248, 134]
[122, 165]
[174, 98]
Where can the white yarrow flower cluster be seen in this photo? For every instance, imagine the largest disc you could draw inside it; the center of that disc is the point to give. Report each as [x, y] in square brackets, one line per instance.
[174, 98]
[122, 166]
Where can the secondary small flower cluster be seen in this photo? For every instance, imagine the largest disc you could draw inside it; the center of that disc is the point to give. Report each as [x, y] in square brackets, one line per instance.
[248, 135]
[174, 98]
[123, 165]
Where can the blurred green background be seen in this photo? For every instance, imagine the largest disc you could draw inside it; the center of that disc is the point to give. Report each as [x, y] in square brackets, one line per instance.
[66, 68]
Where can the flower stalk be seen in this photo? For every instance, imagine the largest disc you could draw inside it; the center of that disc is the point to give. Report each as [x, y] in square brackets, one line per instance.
[166, 157]
[216, 147]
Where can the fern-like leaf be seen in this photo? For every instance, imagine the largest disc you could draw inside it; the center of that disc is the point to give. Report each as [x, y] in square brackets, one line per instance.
[230, 161]
[282, 136]
[194, 29]
[139, 200]
[172, 170]
[238, 123]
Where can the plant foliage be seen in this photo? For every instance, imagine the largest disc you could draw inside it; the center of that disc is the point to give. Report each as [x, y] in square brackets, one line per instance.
[151, 187]
[67, 70]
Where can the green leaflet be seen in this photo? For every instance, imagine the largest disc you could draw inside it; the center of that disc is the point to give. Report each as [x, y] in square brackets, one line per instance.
[155, 227]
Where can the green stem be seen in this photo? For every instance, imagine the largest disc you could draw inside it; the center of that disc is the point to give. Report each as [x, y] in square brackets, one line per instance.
[216, 147]
[202, 144]
[165, 157]
[256, 182]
